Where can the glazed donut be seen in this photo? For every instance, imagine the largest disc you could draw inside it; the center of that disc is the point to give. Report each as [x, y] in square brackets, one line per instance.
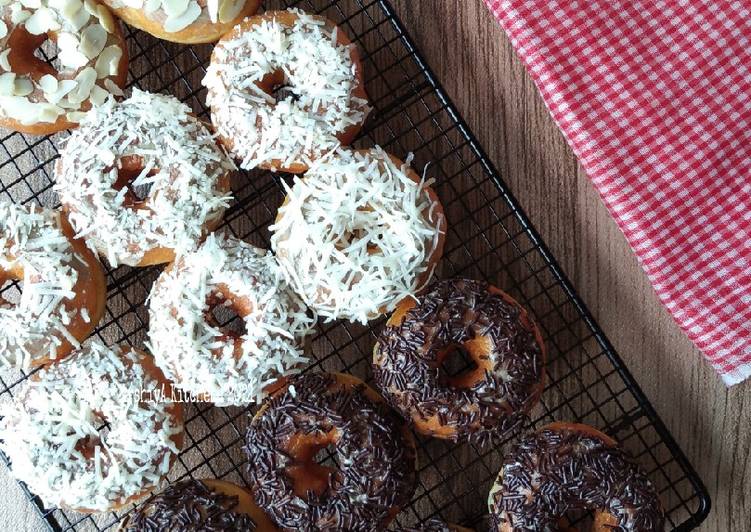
[197, 506]
[55, 435]
[374, 451]
[488, 401]
[204, 359]
[567, 466]
[184, 21]
[149, 140]
[37, 98]
[63, 295]
[285, 88]
[358, 234]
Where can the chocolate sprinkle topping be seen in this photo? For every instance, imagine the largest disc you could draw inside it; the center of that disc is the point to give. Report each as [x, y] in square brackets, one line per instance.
[558, 469]
[452, 313]
[433, 525]
[375, 457]
[189, 506]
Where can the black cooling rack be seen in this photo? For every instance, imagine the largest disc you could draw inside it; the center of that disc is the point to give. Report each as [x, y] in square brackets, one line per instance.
[489, 238]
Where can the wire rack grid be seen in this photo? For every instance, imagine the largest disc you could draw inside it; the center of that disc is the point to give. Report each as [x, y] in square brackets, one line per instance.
[489, 238]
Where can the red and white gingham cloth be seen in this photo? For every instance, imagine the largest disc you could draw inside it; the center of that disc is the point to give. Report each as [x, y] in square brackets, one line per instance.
[655, 99]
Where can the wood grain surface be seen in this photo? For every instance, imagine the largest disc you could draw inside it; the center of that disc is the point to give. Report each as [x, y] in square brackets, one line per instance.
[478, 68]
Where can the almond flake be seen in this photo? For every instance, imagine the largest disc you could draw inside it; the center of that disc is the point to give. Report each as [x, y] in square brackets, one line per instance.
[93, 39]
[98, 95]
[173, 25]
[64, 86]
[75, 116]
[17, 14]
[175, 8]
[7, 83]
[4, 63]
[41, 21]
[106, 19]
[113, 87]
[48, 84]
[152, 5]
[23, 87]
[32, 4]
[229, 9]
[108, 62]
[86, 79]
[212, 6]
[3, 29]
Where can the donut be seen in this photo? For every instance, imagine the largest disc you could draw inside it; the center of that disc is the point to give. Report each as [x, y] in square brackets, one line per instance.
[63, 293]
[93, 432]
[211, 361]
[184, 21]
[285, 88]
[197, 506]
[568, 466]
[488, 401]
[35, 96]
[358, 234]
[374, 452]
[121, 149]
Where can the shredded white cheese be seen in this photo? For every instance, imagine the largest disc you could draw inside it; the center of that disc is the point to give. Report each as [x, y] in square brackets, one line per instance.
[320, 103]
[60, 413]
[357, 235]
[83, 31]
[181, 163]
[198, 356]
[32, 240]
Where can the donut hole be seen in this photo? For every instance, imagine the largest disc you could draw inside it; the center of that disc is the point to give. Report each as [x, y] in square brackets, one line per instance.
[11, 291]
[462, 365]
[315, 464]
[225, 314]
[278, 87]
[132, 175]
[32, 55]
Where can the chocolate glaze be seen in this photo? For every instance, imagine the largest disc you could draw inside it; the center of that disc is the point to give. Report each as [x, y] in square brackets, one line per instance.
[189, 506]
[556, 470]
[450, 313]
[376, 460]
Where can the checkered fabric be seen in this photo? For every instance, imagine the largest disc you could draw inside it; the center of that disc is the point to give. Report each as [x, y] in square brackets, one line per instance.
[655, 99]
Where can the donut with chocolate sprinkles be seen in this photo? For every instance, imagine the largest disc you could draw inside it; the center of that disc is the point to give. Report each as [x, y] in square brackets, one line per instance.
[487, 401]
[197, 506]
[567, 466]
[374, 453]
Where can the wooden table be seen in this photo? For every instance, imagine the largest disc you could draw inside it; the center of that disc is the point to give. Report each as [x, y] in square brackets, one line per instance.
[476, 64]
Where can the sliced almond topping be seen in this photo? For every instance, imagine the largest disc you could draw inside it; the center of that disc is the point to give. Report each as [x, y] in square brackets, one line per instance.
[86, 79]
[80, 19]
[212, 6]
[3, 29]
[32, 4]
[113, 88]
[48, 84]
[90, 6]
[18, 14]
[106, 19]
[69, 54]
[98, 95]
[152, 5]
[63, 88]
[93, 39]
[172, 25]
[4, 63]
[47, 112]
[68, 8]
[23, 87]
[175, 8]
[41, 21]
[229, 9]
[108, 62]
[75, 116]
[7, 83]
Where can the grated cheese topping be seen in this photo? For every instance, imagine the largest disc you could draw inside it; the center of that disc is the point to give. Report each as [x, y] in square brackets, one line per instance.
[177, 15]
[89, 56]
[180, 161]
[53, 430]
[320, 101]
[357, 235]
[199, 356]
[31, 240]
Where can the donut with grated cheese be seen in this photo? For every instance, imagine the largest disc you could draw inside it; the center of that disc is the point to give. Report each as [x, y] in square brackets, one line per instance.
[214, 362]
[63, 293]
[358, 234]
[148, 140]
[285, 88]
[94, 432]
[184, 21]
[92, 62]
